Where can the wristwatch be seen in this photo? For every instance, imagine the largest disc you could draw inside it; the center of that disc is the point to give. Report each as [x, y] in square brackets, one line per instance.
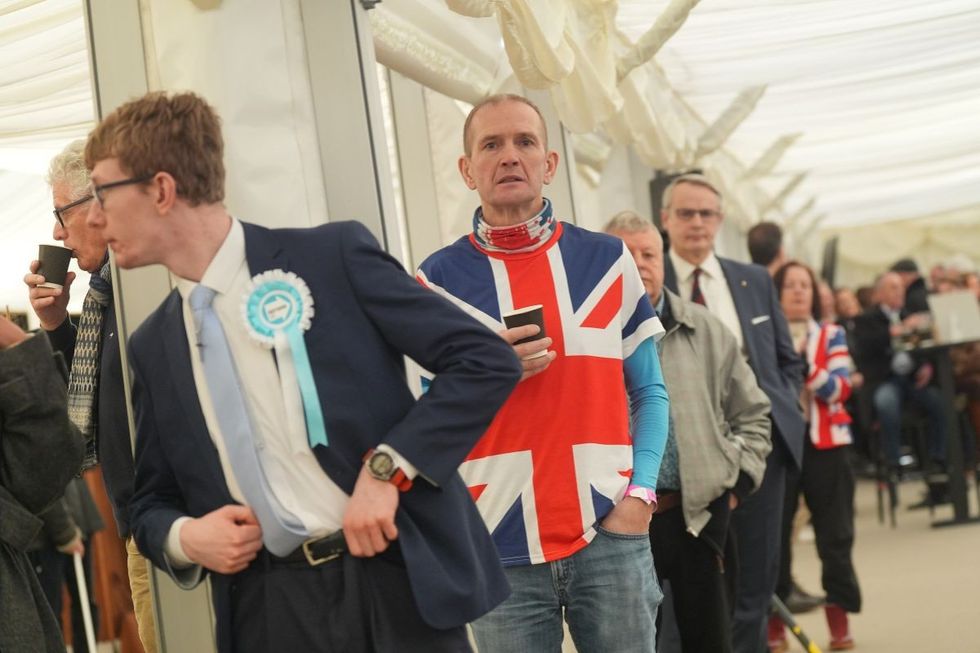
[381, 466]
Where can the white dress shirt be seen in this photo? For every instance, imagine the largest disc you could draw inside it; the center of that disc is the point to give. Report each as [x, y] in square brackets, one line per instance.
[714, 288]
[295, 476]
[894, 317]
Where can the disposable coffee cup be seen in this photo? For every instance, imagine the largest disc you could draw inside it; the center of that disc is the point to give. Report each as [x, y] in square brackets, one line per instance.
[527, 315]
[53, 265]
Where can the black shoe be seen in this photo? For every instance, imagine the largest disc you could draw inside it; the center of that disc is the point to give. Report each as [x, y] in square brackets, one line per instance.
[922, 503]
[894, 474]
[798, 601]
[936, 495]
[939, 491]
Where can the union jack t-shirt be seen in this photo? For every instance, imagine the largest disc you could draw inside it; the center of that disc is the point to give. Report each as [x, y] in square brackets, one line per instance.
[558, 456]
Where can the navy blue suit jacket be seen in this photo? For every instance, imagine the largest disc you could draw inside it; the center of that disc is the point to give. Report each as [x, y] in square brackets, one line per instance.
[368, 313]
[777, 367]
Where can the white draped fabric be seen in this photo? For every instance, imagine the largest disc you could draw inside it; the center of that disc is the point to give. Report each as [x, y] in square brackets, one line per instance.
[869, 116]
[666, 25]
[768, 160]
[249, 61]
[409, 36]
[932, 239]
[885, 95]
[45, 103]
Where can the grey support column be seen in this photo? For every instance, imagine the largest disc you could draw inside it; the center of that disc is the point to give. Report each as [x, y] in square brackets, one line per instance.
[349, 118]
[415, 161]
[561, 191]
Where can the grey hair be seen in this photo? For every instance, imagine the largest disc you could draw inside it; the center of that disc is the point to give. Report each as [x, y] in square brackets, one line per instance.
[68, 168]
[629, 222]
[690, 178]
[884, 276]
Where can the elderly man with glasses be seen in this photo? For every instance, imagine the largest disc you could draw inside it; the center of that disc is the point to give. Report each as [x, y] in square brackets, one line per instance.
[96, 396]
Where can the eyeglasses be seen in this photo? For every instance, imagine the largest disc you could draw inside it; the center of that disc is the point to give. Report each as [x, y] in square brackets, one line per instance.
[689, 214]
[99, 190]
[61, 211]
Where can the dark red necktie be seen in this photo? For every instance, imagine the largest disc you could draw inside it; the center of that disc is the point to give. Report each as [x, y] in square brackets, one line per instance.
[696, 295]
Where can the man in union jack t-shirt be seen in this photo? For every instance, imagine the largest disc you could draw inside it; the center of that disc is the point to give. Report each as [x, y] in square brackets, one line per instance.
[565, 475]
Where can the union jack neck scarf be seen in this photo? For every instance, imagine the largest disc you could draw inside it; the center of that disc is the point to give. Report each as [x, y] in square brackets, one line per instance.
[523, 237]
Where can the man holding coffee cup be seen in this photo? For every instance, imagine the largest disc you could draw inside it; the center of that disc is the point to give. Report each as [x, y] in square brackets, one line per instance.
[96, 397]
[563, 480]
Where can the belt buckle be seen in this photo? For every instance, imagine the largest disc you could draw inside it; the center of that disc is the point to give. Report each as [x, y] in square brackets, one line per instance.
[313, 560]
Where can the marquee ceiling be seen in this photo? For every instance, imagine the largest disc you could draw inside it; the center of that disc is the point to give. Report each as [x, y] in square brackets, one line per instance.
[877, 103]
[885, 94]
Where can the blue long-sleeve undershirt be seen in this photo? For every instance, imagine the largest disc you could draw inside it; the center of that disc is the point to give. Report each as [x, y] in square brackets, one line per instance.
[649, 412]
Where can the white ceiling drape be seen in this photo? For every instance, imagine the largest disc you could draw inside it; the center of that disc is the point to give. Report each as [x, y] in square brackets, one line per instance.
[45, 102]
[885, 95]
[869, 114]
[869, 117]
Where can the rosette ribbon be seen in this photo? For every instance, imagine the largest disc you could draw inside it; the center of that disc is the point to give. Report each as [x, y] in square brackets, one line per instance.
[278, 309]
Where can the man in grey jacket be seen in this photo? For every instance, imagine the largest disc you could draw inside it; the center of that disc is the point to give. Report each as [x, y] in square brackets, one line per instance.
[716, 448]
[40, 450]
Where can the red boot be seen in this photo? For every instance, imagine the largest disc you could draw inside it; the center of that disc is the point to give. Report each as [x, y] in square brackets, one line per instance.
[840, 633]
[777, 635]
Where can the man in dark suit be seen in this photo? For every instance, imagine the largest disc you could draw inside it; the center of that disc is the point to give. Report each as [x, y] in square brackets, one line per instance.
[743, 297]
[765, 240]
[916, 292]
[892, 377]
[322, 497]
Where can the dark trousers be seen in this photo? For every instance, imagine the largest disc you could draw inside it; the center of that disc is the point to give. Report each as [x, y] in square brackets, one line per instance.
[55, 569]
[695, 568]
[348, 605]
[758, 524]
[890, 397]
[827, 485]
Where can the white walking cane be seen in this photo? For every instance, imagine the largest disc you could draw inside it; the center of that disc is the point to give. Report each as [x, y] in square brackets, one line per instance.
[83, 599]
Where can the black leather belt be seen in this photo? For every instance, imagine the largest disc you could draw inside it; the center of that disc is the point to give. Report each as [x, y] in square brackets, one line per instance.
[316, 552]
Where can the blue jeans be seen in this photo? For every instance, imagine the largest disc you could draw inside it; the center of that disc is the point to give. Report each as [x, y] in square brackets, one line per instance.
[888, 400]
[608, 592]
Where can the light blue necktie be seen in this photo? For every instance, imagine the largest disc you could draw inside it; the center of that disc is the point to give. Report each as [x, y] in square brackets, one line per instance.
[282, 532]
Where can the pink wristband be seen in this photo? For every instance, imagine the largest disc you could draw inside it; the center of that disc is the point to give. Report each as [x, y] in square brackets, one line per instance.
[645, 494]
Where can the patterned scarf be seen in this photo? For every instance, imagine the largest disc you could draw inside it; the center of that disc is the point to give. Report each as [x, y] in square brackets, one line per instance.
[524, 237]
[670, 466]
[83, 381]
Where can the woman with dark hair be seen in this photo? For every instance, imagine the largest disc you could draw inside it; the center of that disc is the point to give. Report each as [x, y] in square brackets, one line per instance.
[826, 479]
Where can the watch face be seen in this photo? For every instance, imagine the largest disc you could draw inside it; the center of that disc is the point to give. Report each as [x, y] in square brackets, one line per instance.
[381, 465]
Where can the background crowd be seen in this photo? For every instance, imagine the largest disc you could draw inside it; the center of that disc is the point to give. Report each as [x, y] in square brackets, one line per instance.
[781, 388]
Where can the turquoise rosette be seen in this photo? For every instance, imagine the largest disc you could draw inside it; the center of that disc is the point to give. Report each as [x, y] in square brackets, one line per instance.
[278, 309]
